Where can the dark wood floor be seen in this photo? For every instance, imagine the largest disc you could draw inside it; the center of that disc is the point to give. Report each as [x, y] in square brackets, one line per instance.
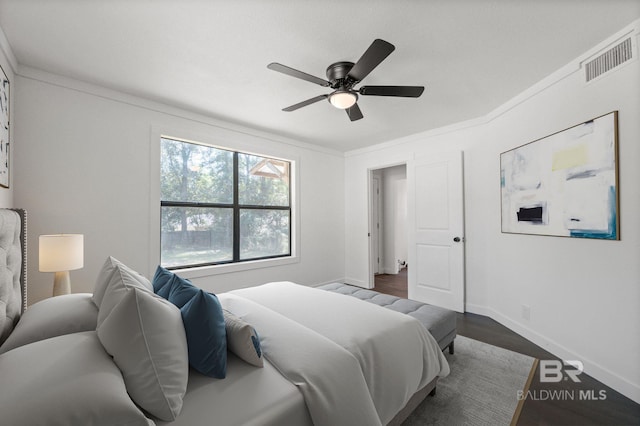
[565, 403]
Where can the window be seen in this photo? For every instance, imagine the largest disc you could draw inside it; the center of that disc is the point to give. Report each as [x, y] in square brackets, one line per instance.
[220, 206]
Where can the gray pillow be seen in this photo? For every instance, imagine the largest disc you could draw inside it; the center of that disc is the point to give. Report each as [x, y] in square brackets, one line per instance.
[70, 313]
[145, 335]
[242, 339]
[117, 277]
[65, 380]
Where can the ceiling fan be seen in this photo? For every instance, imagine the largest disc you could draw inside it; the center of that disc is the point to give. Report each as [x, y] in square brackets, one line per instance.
[343, 76]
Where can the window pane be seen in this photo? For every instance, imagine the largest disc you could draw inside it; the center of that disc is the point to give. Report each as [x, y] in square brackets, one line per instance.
[263, 233]
[263, 181]
[195, 173]
[195, 235]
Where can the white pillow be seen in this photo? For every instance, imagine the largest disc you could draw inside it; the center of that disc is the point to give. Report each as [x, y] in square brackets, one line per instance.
[118, 277]
[242, 339]
[65, 380]
[70, 313]
[145, 335]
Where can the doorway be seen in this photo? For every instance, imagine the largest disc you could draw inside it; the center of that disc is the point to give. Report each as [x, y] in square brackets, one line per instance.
[434, 228]
[388, 225]
[392, 284]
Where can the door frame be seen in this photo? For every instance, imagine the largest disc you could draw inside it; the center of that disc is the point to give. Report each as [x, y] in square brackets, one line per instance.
[376, 217]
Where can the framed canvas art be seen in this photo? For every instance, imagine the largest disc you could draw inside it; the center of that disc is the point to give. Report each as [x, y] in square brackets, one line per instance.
[565, 184]
[4, 129]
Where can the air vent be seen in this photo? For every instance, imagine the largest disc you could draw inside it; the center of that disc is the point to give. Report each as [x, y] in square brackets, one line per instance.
[612, 58]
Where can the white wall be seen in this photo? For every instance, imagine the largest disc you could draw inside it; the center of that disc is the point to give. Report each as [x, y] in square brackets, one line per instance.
[83, 165]
[8, 63]
[395, 214]
[401, 243]
[584, 295]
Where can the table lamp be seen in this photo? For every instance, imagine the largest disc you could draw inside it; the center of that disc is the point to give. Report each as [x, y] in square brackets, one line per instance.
[61, 253]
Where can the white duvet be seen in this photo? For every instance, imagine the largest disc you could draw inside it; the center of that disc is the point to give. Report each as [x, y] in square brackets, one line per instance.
[356, 363]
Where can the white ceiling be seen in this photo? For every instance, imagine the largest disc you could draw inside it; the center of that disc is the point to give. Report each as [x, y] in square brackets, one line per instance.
[211, 56]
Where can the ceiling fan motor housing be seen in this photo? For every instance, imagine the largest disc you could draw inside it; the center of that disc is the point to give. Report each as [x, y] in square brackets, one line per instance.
[337, 75]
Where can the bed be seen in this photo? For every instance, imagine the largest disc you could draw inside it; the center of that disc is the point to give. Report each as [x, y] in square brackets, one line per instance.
[140, 351]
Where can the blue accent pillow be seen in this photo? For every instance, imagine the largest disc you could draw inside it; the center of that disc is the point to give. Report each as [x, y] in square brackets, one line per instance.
[206, 334]
[160, 280]
[172, 287]
[203, 322]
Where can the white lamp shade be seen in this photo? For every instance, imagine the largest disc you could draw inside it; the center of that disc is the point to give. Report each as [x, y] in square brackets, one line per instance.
[61, 252]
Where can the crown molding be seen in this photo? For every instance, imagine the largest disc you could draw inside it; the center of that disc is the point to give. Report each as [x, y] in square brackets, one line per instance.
[566, 71]
[5, 47]
[69, 83]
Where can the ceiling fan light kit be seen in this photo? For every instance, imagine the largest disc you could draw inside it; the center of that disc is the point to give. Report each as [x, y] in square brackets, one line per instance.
[343, 76]
[343, 99]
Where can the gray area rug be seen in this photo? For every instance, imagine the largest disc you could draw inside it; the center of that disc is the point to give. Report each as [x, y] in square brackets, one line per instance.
[481, 389]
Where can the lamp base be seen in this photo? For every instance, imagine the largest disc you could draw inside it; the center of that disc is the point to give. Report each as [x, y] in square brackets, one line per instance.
[61, 283]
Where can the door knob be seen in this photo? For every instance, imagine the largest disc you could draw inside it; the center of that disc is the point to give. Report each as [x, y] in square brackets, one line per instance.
[456, 239]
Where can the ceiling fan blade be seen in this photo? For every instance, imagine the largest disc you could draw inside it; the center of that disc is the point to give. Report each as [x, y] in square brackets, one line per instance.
[375, 54]
[403, 91]
[305, 103]
[298, 74]
[354, 112]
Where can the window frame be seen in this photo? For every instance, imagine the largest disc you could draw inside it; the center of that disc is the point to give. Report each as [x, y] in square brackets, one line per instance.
[237, 143]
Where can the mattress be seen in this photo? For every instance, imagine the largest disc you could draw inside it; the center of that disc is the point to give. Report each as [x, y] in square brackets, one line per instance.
[247, 396]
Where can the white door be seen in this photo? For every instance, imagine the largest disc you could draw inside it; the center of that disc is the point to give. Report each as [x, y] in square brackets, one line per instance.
[435, 219]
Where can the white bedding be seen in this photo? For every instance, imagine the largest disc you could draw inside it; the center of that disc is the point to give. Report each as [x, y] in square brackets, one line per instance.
[248, 396]
[396, 355]
[326, 374]
[330, 360]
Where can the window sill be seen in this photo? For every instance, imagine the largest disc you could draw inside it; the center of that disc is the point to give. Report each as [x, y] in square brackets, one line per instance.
[206, 271]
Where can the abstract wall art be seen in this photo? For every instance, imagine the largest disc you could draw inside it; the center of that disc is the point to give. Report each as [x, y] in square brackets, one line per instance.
[565, 184]
[4, 129]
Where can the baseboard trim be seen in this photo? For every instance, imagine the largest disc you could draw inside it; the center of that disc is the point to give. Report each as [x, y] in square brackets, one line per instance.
[337, 280]
[356, 282]
[478, 309]
[595, 370]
